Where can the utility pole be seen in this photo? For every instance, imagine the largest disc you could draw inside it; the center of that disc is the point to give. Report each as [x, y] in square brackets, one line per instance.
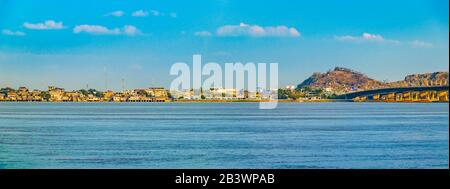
[106, 78]
[123, 84]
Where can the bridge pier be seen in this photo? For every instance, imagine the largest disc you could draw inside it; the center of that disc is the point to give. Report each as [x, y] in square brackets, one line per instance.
[407, 96]
[376, 97]
[443, 96]
[399, 97]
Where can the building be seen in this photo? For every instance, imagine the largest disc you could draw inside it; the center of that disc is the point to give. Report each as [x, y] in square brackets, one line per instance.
[223, 94]
[187, 94]
[36, 95]
[23, 94]
[74, 96]
[12, 96]
[157, 94]
[120, 97]
[108, 95]
[56, 94]
[92, 98]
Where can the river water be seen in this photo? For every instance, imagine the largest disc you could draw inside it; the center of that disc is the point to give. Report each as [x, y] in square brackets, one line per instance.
[223, 135]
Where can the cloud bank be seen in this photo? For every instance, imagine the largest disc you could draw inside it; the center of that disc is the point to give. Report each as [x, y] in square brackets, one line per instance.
[156, 13]
[13, 33]
[420, 44]
[257, 31]
[47, 25]
[118, 13]
[102, 30]
[366, 37]
[140, 13]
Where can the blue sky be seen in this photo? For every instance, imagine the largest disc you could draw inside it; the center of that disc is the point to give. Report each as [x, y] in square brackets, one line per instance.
[72, 43]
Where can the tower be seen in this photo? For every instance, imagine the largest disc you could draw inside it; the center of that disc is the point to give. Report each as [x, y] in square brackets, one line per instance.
[123, 84]
[106, 78]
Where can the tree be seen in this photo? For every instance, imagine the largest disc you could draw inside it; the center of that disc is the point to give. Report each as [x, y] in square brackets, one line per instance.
[169, 95]
[142, 93]
[289, 94]
[45, 95]
[84, 92]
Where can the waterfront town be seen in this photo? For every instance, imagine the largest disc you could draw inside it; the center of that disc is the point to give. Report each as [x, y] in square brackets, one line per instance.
[287, 94]
[56, 94]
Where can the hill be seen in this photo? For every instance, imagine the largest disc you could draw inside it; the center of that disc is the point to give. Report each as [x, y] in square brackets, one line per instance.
[340, 80]
[344, 80]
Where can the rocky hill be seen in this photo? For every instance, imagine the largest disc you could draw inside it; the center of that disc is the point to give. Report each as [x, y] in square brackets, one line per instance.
[426, 79]
[340, 80]
[343, 80]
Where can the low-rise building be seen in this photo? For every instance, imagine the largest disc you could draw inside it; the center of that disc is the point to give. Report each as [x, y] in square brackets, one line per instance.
[74, 96]
[108, 95]
[12, 96]
[56, 94]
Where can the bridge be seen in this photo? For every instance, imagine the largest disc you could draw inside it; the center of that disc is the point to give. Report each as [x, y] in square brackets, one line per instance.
[401, 94]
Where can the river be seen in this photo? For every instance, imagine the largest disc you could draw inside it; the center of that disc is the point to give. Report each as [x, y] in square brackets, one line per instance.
[224, 135]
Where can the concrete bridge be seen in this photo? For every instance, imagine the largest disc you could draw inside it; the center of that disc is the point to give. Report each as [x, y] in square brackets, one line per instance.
[402, 94]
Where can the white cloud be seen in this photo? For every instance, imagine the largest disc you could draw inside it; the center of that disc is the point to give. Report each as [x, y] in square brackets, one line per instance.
[156, 13]
[47, 25]
[143, 13]
[203, 34]
[102, 30]
[366, 37]
[173, 14]
[420, 44]
[346, 38]
[140, 13]
[131, 30]
[118, 13]
[257, 31]
[12, 33]
[96, 29]
[372, 37]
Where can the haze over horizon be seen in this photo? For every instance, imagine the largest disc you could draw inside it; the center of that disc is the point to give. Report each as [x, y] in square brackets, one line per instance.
[74, 43]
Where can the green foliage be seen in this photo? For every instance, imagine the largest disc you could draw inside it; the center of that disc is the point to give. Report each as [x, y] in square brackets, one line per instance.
[6, 90]
[289, 94]
[45, 95]
[332, 96]
[142, 93]
[84, 92]
[169, 95]
[94, 92]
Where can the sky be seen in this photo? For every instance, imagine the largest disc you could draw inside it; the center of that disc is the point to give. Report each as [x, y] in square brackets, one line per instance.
[76, 44]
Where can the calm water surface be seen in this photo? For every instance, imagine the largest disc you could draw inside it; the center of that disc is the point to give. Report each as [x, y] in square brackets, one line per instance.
[223, 135]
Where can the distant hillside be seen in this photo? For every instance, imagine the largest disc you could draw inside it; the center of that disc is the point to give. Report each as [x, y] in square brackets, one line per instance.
[340, 80]
[343, 80]
[426, 79]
